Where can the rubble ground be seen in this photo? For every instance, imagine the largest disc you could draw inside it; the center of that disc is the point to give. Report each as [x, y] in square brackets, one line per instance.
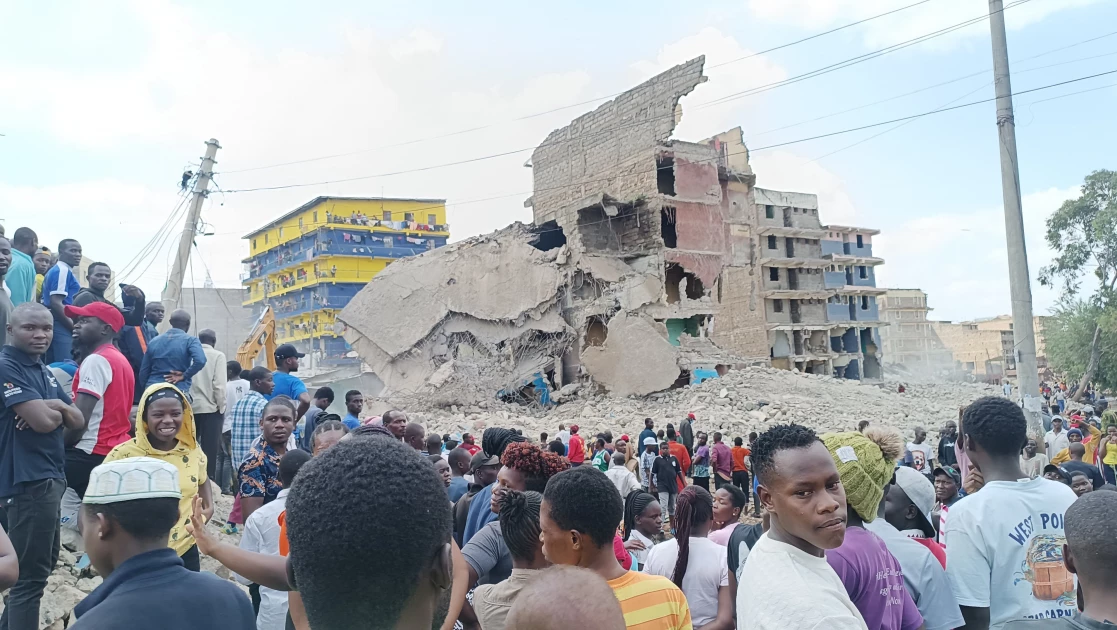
[741, 401]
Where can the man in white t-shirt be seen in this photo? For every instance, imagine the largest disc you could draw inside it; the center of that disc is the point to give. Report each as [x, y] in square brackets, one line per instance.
[786, 582]
[921, 452]
[1005, 557]
[235, 389]
[563, 436]
[1056, 439]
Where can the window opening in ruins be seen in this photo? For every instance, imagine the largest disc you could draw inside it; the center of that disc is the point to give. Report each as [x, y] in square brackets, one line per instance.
[862, 272]
[777, 306]
[864, 302]
[860, 241]
[771, 241]
[613, 227]
[769, 212]
[682, 381]
[596, 331]
[548, 236]
[682, 283]
[665, 175]
[774, 274]
[667, 228]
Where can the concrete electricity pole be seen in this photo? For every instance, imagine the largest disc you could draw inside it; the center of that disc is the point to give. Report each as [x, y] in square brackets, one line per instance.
[173, 291]
[1023, 333]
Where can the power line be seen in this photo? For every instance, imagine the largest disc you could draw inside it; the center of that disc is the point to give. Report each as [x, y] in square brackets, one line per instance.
[936, 111]
[147, 250]
[477, 159]
[948, 82]
[748, 151]
[852, 61]
[564, 107]
[752, 91]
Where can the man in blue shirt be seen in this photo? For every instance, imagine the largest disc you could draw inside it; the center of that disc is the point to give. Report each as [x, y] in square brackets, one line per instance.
[354, 403]
[34, 412]
[60, 285]
[173, 357]
[286, 384]
[21, 275]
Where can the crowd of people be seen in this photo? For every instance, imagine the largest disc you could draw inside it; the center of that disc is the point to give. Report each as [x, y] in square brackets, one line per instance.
[370, 522]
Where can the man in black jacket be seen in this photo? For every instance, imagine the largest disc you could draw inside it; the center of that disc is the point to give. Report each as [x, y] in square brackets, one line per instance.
[98, 276]
[686, 433]
[947, 439]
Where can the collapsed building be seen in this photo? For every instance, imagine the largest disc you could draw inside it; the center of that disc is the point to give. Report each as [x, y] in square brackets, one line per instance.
[651, 263]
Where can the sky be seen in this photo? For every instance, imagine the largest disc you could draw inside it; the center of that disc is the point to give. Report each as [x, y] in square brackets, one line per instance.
[104, 105]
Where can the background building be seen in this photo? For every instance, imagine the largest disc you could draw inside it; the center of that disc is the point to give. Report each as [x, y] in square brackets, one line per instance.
[819, 288]
[909, 339]
[310, 262]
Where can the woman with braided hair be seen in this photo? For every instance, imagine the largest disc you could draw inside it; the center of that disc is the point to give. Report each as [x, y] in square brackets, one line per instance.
[643, 522]
[519, 526]
[695, 563]
[525, 467]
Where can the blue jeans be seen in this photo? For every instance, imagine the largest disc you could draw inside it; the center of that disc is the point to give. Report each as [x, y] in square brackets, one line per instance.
[61, 346]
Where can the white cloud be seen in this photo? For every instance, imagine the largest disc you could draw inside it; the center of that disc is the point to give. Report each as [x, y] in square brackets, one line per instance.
[960, 259]
[189, 81]
[817, 15]
[417, 42]
[725, 79]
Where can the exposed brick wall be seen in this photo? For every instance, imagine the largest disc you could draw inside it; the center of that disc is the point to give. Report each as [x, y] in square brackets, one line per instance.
[739, 324]
[615, 142]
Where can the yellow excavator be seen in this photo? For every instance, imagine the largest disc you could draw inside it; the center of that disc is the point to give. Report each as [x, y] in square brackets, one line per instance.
[262, 338]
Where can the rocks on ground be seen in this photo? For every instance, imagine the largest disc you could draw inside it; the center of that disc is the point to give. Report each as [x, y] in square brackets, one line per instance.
[741, 401]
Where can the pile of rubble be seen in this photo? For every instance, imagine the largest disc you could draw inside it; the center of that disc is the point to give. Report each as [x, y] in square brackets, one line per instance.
[735, 404]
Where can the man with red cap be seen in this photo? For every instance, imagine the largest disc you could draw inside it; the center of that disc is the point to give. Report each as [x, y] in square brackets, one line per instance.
[686, 434]
[103, 389]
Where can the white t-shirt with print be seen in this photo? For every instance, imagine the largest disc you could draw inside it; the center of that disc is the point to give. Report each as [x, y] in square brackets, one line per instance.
[1006, 551]
[706, 572]
[925, 466]
[785, 587]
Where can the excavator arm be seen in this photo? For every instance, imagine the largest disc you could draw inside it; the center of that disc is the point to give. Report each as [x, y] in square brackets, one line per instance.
[262, 338]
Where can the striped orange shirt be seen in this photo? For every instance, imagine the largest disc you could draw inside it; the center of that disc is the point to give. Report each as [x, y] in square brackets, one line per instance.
[651, 602]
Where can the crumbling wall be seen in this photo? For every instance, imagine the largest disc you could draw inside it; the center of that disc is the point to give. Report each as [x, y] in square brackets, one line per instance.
[611, 150]
[739, 324]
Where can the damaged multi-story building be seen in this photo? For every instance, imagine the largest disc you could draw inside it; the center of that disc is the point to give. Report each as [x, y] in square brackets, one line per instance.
[651, 262]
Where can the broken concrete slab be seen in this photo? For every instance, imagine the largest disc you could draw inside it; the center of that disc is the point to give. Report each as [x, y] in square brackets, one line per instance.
[635, 360]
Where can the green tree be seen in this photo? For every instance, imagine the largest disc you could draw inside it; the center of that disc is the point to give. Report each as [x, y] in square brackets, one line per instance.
[1083, 233]
[1069, 337]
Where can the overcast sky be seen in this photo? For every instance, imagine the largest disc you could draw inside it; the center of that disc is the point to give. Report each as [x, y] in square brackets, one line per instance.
[102, 106]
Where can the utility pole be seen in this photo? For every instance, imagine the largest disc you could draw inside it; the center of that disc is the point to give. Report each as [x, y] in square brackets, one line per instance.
[173, 291]
[1020, 287]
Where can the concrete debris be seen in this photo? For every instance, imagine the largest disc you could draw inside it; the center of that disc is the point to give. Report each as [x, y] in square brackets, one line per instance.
[754, 399]
[634, 360]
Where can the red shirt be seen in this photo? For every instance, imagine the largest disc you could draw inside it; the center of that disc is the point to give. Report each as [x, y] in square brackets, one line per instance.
[472, 448]
[937, 550]
[107, 376]
[679, 451]
[577, 451]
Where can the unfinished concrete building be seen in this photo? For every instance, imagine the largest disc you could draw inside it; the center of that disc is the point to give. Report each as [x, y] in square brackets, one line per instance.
[650, 264]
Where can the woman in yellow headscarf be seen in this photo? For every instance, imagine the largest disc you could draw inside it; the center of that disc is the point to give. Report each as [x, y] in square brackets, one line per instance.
[165, 430]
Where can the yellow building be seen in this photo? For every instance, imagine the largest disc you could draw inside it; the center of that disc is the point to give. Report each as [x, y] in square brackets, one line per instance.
[310, 262]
